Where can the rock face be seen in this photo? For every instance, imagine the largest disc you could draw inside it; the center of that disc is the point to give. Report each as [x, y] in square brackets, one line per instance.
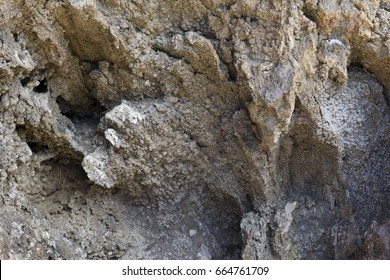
[195, 129]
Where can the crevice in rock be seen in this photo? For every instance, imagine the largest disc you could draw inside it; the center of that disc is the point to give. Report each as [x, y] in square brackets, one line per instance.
[41, 87]
[35, 147]
[88, 66]
[82, 115]
[68, 167]
[33, 143]
[309, 14]
[386, 95]
[356, 64]
[38, 83]
[157, 48]
[25, 81]
[232, 72]
[16, 36]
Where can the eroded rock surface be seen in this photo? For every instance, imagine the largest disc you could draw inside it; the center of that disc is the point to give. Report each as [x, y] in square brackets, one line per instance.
[194, 129]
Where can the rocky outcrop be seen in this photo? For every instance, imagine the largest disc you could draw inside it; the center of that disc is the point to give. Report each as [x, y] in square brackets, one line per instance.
[200, 129]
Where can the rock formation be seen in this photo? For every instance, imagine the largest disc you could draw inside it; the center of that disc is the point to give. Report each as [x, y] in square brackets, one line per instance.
[195, 129]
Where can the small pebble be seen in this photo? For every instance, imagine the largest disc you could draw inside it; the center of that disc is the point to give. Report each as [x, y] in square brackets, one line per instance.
[193, 232]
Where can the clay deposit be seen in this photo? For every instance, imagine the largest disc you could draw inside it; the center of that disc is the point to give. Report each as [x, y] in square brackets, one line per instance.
[195, 129]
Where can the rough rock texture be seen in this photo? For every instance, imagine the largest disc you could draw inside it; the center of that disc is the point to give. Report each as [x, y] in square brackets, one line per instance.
[195, 129]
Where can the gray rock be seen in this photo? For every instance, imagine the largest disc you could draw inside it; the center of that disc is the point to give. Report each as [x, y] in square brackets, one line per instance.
[264, 125]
